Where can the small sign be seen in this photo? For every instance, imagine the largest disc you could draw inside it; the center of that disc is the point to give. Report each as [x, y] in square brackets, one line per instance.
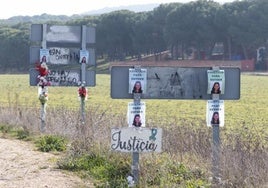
[84, 57]
[44, 55]
[215, 113]
[132, 139]
[216, 81]
[136, 114]
[137, 80]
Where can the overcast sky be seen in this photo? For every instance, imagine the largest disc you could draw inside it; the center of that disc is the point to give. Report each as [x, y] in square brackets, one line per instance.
[11, 8]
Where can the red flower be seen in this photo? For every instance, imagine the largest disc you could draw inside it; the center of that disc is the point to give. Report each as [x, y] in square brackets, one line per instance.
[82, 91]
[42, 68]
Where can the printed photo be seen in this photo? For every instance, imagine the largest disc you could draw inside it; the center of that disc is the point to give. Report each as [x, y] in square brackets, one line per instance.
[216, 81]
[84, 57]
[137, 80]
[215, 113]
[136, 114]
[44, 55]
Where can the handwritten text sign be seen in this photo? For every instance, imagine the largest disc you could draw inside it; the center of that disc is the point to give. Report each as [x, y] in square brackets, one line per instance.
[132, 139]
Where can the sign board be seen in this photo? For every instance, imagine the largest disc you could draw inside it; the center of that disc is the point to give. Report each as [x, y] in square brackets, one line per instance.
[215, 113]
[132, 139]
[61, 56]
[61, 34]
[64, 76]
[175, 83]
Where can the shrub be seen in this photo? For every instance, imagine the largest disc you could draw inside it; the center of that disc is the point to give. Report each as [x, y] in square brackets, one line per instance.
[110, 171]
[5, 129]
[23, 134]
[49, 143]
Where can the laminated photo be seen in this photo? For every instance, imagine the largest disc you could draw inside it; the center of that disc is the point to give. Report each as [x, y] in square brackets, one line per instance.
[84, 57]
[216, 81]
[44, 55]
[137, 80]
[215, 113]
[136, 114]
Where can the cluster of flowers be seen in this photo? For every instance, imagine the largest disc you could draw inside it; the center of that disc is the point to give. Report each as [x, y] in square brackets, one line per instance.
[43, 71]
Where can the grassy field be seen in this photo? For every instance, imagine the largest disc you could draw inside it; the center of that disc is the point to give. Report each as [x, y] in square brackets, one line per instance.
[186, 139]
[251, 110]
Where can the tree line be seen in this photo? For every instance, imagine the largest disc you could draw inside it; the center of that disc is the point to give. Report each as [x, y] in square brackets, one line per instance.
[204, 28]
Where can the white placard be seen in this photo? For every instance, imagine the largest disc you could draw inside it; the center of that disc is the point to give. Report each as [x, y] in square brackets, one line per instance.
[84, 57]
[216, 81]
[44, 55]
[132, 139]
[215, 113]
[136, 114]
[137, 80]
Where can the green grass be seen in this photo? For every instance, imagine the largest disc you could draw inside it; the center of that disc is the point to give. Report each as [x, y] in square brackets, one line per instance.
[248, 114]
[251, 109]
[244, 135]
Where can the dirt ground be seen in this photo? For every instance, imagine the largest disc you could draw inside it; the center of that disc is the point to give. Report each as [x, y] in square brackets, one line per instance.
[22, 166]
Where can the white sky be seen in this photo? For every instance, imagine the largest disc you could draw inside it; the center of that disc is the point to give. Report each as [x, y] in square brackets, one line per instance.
[69, 7]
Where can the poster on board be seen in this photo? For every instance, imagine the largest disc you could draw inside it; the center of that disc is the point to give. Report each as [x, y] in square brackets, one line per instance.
[84, 57]
[44, 55]
[215, 113]
[137, 80]
[136, 114]
[216, 81]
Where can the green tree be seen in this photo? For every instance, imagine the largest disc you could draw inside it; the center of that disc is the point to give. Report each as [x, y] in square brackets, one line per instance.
[114, 34]
[192, 24]
[14, 47]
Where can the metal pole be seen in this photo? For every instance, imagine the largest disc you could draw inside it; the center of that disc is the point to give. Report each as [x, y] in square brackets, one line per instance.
[135, 167]
[135, 155]
[83, 72]
[83, 110]
[215, 146]
[43, 117]
[43, 107]
[215, 154]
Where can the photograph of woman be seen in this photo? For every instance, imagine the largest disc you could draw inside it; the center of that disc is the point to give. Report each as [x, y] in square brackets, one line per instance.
[216, 89]
[43, 59]
[215, 120]
[84, 60]
[137, 121]
[137, 88]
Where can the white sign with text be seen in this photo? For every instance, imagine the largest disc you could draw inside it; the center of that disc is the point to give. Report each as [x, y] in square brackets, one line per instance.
[133, 139]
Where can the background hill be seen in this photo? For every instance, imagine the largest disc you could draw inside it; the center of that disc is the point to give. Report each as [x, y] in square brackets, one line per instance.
[63, 18]
[134, 8]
